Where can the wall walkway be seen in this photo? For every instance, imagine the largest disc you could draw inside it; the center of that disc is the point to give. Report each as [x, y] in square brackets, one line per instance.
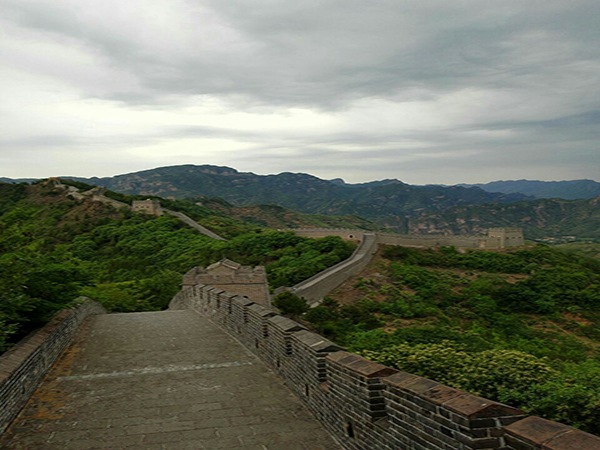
[180, 379]
[163, 380]
[315, 288]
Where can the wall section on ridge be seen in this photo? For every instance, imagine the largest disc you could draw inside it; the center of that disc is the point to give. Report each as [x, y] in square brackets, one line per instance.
[366, 405]
[315, 288]
[24, 366]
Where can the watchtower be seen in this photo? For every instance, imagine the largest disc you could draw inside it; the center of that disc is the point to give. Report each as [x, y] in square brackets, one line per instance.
[509, 236]
[147, 206]
[232, 277]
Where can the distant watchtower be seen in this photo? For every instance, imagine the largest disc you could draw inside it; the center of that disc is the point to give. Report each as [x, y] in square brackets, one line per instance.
[509, 237]
[147, 206]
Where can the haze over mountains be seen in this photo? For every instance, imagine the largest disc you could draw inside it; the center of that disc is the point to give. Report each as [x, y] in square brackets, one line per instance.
[568, 190]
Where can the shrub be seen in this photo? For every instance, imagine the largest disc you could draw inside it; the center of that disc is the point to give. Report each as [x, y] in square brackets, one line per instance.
[290, 304]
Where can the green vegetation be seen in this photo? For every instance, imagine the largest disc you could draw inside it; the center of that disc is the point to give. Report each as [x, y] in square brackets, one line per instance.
[520, 327]
[274, 216]
[591, 250]
[54, 249]
[290, 304]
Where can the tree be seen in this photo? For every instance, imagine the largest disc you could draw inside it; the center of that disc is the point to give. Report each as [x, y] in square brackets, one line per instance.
[290, 304]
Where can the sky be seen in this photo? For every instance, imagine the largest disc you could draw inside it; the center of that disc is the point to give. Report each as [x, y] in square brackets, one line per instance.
[424, 91]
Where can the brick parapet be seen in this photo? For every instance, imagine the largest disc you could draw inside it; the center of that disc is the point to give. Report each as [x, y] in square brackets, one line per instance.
[367, 405]
[535, 433]
[23, 367]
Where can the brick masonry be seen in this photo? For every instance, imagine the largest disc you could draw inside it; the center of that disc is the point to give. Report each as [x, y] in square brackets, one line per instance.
[370, 406]
[24, 366]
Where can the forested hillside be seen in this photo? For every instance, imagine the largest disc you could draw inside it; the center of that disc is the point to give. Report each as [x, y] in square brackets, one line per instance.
[521, 327]
[277, 217]
[54, 249]
[539, 218]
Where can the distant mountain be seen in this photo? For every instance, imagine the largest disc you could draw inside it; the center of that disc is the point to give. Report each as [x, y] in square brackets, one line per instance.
[568, 190]
[17, 180]
[538, 218]
[298, 191]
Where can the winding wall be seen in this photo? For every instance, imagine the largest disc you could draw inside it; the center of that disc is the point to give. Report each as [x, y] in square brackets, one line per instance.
[370, 406]
[315, 288]
[474, 242]
[96, 194]
[192, 223]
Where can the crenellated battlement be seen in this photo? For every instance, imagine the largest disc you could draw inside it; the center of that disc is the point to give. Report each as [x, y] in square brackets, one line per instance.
[368, 405]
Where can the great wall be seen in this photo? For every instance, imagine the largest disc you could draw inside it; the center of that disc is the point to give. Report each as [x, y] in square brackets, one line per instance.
[318, 286]
[180, 379]
[217, 368]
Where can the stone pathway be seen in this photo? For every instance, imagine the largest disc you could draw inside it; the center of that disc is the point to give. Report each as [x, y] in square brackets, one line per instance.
[164, 380]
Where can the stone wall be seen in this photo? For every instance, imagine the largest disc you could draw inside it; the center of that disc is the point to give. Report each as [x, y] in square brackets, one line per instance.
[192, 223]
[315, 233]
[370, 406]
[434, 241]
[315, 288]
[23, 367]
[497, 238]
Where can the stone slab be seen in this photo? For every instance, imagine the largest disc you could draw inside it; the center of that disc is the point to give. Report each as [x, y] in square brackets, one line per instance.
[162, 380]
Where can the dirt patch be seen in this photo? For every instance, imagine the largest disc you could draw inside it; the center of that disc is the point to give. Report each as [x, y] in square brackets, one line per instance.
[577, 318]
[348, 293]
[49, 400]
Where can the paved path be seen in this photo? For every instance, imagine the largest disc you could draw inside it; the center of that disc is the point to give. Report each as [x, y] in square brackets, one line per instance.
[163, 380]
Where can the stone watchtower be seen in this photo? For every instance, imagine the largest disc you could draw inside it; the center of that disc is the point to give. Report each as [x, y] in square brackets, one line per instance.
[232, 277]
[509, 236]
[147, 206]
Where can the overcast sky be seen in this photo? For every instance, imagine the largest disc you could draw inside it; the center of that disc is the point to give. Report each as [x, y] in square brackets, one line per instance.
[431, 91]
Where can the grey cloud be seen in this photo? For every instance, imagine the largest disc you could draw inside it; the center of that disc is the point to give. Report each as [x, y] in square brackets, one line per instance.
[541, 58]
[325, 54]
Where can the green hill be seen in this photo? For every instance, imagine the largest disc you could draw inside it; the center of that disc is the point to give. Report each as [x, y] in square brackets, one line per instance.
[53, 249]
[277, 217]
[521, 327]
[539, 218]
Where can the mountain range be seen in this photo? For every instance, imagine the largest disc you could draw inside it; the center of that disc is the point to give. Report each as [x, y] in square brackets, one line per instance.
[298, 191]
[568, 190]
[277, 201]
